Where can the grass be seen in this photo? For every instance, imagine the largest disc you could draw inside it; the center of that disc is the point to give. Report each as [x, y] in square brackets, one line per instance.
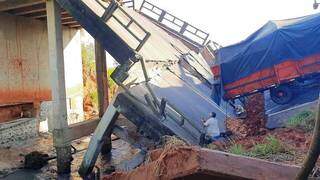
[304, 120]
[271, 146]
[238, 149]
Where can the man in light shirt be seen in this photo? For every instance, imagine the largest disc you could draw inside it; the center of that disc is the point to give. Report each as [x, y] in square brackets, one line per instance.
[212, 132]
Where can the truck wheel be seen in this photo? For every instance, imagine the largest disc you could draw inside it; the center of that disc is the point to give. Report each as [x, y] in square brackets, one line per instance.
[281, 94]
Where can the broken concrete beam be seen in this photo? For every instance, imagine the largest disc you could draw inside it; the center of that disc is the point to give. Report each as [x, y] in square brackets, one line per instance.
[96, 142]
[196, 163]
[225, 164]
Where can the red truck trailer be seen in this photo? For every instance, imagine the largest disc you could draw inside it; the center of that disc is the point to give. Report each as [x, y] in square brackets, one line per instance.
[282, 56]
[280, 79]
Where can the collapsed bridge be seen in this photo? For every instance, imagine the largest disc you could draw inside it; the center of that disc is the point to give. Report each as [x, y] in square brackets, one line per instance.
[166, 87]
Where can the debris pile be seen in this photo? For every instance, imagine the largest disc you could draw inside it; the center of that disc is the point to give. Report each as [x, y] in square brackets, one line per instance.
[163, 164]
[251, 132]
[254, 123]
[156, 166]
[256, 119]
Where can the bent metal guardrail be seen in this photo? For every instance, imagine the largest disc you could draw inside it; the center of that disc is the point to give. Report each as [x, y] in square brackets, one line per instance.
[189, 32]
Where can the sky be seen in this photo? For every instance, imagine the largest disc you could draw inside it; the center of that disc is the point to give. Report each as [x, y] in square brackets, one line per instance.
[230, 21]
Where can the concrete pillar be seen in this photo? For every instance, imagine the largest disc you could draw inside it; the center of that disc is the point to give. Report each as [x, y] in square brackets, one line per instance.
[103, 94]
[59, 108]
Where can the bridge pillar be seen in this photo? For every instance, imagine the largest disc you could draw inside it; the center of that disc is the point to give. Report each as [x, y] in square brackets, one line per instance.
[56, 67]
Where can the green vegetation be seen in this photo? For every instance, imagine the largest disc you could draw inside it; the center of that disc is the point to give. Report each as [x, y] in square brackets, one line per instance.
[89, 79]
[87, 52]
[89, 76]
[304, 120]
[271, 146]
[238, 149]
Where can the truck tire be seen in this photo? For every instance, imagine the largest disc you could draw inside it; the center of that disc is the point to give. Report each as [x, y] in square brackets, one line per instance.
[281, 94]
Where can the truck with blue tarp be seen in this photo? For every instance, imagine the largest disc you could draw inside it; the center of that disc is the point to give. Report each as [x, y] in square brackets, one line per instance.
[283, 56]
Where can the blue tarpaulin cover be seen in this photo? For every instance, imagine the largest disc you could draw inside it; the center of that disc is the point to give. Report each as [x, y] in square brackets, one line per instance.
[275, 42]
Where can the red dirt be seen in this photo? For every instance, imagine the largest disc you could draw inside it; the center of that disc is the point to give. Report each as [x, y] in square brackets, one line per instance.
[296, 138]
[186, 162]
[255, 122]
[159, 161]
[251, 130]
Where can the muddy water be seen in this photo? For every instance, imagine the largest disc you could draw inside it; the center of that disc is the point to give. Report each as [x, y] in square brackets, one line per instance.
[120, 151]
[22, 174]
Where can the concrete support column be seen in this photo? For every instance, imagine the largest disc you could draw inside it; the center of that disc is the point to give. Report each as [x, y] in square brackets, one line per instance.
[103, 93]
[59, 108]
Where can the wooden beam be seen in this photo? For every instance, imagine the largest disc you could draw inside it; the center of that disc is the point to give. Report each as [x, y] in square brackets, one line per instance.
[75, 26]
[43, 15]
[30, 12]
[103, 93]
[73, 22]
[15, 4]
[66, 18]
[38, 15]
[56, 66]
[102, 78]
[82, 129]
